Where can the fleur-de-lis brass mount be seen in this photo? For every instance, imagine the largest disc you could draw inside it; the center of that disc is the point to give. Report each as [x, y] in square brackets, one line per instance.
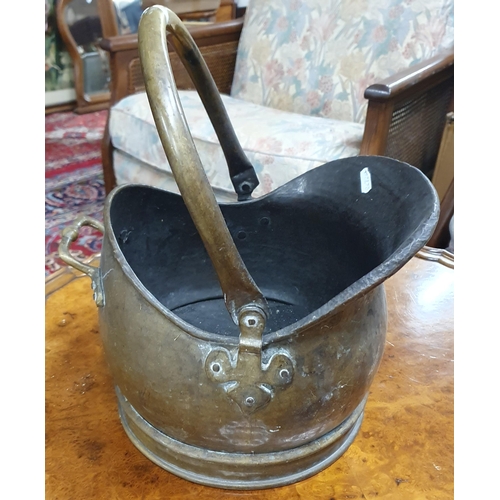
[248, 382]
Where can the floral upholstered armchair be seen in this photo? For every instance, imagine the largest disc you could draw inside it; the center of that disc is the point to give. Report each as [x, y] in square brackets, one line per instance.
[304, 82]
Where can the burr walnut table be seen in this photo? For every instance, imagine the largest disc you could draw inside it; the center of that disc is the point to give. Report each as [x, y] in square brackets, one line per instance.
[404, 449]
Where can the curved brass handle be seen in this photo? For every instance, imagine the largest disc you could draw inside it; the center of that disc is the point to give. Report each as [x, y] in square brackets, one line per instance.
[69, 235]
[241, 171]
[241, 294]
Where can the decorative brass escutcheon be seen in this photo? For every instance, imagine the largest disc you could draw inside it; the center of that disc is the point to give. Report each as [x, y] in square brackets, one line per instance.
[249, 383]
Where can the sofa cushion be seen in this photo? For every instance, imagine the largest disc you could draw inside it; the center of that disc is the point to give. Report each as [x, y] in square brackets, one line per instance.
[317, 57]
[129, 170]
[280, 145]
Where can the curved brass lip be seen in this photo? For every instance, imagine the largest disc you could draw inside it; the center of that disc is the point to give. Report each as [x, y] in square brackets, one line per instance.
[409, 248]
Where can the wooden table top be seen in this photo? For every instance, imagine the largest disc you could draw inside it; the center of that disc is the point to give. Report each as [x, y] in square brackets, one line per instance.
[404, 450]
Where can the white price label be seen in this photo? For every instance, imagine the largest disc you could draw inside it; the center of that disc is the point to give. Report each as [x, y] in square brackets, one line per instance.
[366, 180]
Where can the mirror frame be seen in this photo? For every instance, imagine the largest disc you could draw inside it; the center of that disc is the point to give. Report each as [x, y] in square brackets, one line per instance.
[105, 9]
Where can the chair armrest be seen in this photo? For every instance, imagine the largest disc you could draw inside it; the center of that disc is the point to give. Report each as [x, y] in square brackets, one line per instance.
[407, 112]
[218, 43]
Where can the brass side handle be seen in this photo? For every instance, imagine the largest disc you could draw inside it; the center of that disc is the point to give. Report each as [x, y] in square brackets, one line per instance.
[69, 235]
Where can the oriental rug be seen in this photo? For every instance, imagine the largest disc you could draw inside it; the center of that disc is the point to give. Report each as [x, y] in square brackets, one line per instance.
[74, 182]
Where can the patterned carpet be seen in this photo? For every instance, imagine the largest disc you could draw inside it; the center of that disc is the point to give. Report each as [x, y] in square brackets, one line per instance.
[73, 181]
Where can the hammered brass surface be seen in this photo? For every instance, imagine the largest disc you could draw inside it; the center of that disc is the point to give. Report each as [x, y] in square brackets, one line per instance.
[404, 449]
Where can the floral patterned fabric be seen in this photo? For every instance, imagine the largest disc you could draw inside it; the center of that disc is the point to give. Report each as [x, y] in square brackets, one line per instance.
[280, 145]
[316, 57]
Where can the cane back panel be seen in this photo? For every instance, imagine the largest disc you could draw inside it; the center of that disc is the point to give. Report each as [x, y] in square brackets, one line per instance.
[220, 59]
[417, 124]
